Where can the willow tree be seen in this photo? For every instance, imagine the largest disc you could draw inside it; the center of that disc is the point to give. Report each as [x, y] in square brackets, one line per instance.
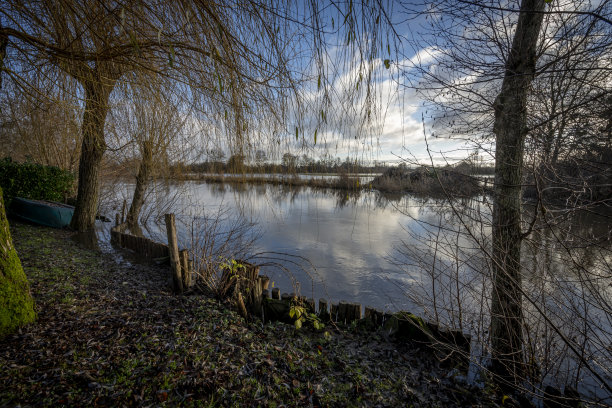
[151, 127]
[16, 303]
[242, 61]
[91, 43]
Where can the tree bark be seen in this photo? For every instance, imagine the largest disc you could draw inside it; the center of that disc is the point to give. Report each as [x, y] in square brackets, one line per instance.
[510, 132]
[142, 183]
[16, 303]
[97, 92]
[3, 45]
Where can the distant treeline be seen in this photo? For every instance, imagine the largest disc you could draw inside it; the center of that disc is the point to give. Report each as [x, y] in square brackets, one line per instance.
[295, 164]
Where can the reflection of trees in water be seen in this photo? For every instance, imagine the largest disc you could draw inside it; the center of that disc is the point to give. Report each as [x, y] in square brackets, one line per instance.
[345, 198]
[161, 197]
[568, 272]
[260, 189]
[566, 269]
[217, 189]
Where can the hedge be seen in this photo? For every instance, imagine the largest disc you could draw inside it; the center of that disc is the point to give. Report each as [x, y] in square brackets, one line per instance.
[34, 181]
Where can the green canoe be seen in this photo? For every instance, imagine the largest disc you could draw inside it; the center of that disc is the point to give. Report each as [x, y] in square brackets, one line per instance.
[48, 213]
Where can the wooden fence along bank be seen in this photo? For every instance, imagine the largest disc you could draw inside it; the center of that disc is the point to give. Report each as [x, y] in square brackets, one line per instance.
[250, 293]
[181, 266]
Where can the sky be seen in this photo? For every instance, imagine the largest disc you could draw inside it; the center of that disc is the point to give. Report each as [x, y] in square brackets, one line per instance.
[401, 121]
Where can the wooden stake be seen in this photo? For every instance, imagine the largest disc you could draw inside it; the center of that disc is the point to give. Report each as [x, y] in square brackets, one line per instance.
[333, 311]
[241, 307]
[123, 210]
[185, 272]
[342, 311]
[175, 262]
[323, 306]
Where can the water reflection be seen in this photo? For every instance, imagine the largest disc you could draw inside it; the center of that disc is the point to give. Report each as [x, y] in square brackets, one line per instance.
[416, 253]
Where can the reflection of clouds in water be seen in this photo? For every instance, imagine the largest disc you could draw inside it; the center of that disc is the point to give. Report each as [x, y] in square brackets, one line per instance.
[347, 237]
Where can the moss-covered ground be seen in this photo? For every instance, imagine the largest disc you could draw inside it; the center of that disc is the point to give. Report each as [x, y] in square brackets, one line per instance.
[112, 334]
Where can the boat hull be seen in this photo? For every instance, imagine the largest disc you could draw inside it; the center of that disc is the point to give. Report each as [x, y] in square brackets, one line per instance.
[47, 213]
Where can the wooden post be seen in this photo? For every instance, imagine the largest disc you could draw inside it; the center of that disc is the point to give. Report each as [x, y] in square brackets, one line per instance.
[185, 272]
[342, 309]
[322, 306]
[372, 314]
[117, 220]
[241, 307]
[175, 262]
[257, 293]
[356, 311]
[334, 312]
[123, 210]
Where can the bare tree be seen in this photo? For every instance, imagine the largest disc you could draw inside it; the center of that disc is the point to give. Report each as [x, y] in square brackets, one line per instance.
[153, 125]
[43, 125]
[510, 130]
[491, 73]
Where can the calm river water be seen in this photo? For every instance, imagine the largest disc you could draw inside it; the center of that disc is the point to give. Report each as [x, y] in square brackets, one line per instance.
[347, 239]
[384, 251]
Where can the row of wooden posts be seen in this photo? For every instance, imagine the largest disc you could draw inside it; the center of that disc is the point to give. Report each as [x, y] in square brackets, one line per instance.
[276, 306]
[181, 266]
[251, 294]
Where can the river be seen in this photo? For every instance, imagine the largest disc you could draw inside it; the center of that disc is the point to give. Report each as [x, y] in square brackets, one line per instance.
[401, 253]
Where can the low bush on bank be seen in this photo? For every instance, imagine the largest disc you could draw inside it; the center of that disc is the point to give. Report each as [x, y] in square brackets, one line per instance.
[426, 181]
[34, 181]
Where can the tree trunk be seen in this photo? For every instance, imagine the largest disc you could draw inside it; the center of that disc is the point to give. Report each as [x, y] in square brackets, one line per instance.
[510, 131]
[16, 303]
[3, 45]
[142, 182]
[93, 147]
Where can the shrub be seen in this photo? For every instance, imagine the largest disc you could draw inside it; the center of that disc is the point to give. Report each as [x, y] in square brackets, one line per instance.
[34, 181]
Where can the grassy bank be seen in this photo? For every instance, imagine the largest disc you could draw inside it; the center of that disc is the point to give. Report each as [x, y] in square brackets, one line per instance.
[111, 334]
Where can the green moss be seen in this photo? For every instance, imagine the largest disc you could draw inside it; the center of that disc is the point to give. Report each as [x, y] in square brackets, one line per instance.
[408, 326]
[16, 303]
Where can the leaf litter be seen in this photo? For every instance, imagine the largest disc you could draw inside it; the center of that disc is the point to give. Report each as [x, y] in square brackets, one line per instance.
[113, 334]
